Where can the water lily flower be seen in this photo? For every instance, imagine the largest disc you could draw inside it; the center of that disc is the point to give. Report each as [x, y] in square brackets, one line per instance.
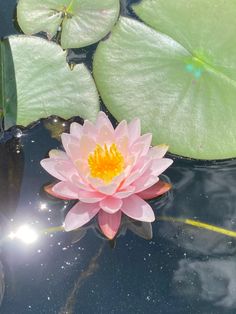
[111, 172]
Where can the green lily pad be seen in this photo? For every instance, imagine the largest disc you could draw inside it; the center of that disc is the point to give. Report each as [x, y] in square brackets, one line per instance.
[37, 82]
[83, 22]
[178, 76]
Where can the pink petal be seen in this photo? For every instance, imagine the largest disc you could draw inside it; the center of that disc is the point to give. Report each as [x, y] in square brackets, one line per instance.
[134, 129]
[102, 119]
[109, 223]
[90, 197]
[122, 144]
[158, 152]
[67, 140]
[50, 165]
[108, 189]
[136, 208]
[80, 183]
[156, 190]
[49, 190]
[65, 189]
[105, 136]
[123, 193]
[141, 166]
[160, 165]
[83, 168]
[80, 214]
[144, 182]
[121, 130]
[111, 204]
[66, 168]
[76, 129]
[71, 191]
[89, 128]
[142, 145]
[82, 148]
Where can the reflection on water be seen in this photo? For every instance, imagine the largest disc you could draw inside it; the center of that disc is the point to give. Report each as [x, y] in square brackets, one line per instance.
[208, 195]
[213, 280]
[205, 193]
[140, 228]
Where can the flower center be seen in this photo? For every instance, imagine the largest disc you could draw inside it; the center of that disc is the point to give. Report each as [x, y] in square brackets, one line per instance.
[106, 163]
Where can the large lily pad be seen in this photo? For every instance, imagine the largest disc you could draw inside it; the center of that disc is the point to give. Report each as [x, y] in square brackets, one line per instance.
[83, 22]
[178, 75]
[37, 82]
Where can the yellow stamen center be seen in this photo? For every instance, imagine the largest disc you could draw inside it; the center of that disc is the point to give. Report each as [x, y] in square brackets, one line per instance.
[106, 163]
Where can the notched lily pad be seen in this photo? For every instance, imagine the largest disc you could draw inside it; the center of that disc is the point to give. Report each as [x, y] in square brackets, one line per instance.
[178, 74]
[37, 82]
[82, 22]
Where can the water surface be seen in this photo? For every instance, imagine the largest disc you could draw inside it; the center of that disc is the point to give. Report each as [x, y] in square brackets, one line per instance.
[182, 270]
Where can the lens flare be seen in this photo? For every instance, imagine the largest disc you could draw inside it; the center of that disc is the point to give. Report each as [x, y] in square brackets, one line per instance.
[25, 234]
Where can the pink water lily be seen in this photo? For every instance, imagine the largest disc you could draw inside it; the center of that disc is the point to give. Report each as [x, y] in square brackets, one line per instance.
[109, 171]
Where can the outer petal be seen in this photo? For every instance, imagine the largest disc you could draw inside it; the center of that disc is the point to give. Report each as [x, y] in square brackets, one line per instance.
[160, 165]
[102, 120]
[138, 170]
[156, 190]
[70, 191]
[50, 165]
[121, 130]
[76, 129]
[66, 168]
[109, 223]
[89, 128]
[80, 214]
[48, 189]
[142, 145]
[65, 190]
[134, 129]
[111, 204]
[68, 139]
[137, 208]
[144, 182]
[158, 151]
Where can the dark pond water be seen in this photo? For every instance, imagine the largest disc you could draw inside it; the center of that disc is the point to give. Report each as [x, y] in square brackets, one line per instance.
[182, 270]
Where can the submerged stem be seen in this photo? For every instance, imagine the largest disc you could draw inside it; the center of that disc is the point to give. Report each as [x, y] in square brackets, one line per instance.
[89, 271]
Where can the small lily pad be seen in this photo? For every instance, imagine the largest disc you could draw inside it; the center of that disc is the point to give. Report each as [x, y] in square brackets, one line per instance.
[82, 22]
[37, 82]
[178, 74]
